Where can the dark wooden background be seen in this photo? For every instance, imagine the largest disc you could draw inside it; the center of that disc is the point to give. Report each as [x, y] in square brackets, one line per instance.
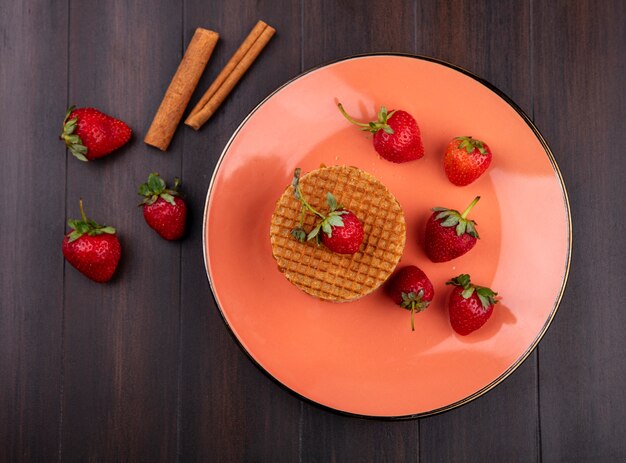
[143, 368]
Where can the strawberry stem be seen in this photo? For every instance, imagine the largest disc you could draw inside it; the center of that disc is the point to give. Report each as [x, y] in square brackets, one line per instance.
[306, 204]
[350, 119]
[302, 216]
[469, 208]
[374, 126]
[413, 316]
[82, 212]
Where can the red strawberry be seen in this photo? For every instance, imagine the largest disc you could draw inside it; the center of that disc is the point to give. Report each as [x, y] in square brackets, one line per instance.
[396, 135]
[465, 160]
[341, 231]
[411, 289]
[450, 234]
[470, 305]
[92, 249]
[91, 134]
[345, 239]
[163, 208]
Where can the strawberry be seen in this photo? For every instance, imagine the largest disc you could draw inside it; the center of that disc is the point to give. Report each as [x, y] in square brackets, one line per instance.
[341, 231]
[396, 138]
[465, 160]
[164, 210]
[411, 289]
[92, 249]
[346, 238]
[450, 234]
[470, 305]
[91, 134]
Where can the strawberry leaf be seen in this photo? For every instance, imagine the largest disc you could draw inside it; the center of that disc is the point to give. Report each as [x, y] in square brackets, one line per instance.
[326, 228]
[462, 280]
[73, 141]
[454, 218]
[373, 126]
[295, 182]
[86, 226]
[81, 227]
[467, 293]
[483, 300]
[470, 144]
[443, 214]
[156, 188]
[461, 227]
[313, 233]
[74, 236]
[332, 202]
[78, 151]
[144, 190]
[156, 183]
[414, 300]
[299, 234]
[408, 299]
[486, 296]
[169, 198]
[480, 147]
[470, 229]
[451, 220]
[335, 220]
[70, 126]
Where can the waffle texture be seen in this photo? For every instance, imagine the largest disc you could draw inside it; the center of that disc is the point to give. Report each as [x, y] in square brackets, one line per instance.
[321, 272]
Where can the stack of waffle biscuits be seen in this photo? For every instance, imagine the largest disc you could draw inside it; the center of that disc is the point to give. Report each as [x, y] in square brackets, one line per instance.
[315, 269]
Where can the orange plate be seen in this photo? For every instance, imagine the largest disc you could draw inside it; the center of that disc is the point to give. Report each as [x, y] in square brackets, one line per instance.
[362, 357]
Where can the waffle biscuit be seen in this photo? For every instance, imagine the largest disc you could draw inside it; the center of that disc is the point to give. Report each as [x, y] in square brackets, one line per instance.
[320, 272]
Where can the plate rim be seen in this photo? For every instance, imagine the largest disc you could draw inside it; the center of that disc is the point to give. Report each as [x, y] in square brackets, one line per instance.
[566, 202]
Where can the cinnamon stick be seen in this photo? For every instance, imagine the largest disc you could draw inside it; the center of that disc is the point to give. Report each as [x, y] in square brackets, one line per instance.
[181, 88]
[234, 70]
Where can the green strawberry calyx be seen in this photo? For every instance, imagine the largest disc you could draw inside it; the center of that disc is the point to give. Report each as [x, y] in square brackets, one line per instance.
[470, 144]
[72, 140]
[86, 226]
[414, 302]
[453, 218]
[325, 223]
[156, 188]
[486, 296]
[374, 126]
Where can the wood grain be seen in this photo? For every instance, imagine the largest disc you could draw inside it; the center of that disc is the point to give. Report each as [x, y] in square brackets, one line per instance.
[32, 184]
[121, 338]
[333, 30]
[144, 368]
[580, 60]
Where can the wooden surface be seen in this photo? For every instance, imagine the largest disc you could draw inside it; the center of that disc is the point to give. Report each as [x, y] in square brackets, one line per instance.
[143, 368]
